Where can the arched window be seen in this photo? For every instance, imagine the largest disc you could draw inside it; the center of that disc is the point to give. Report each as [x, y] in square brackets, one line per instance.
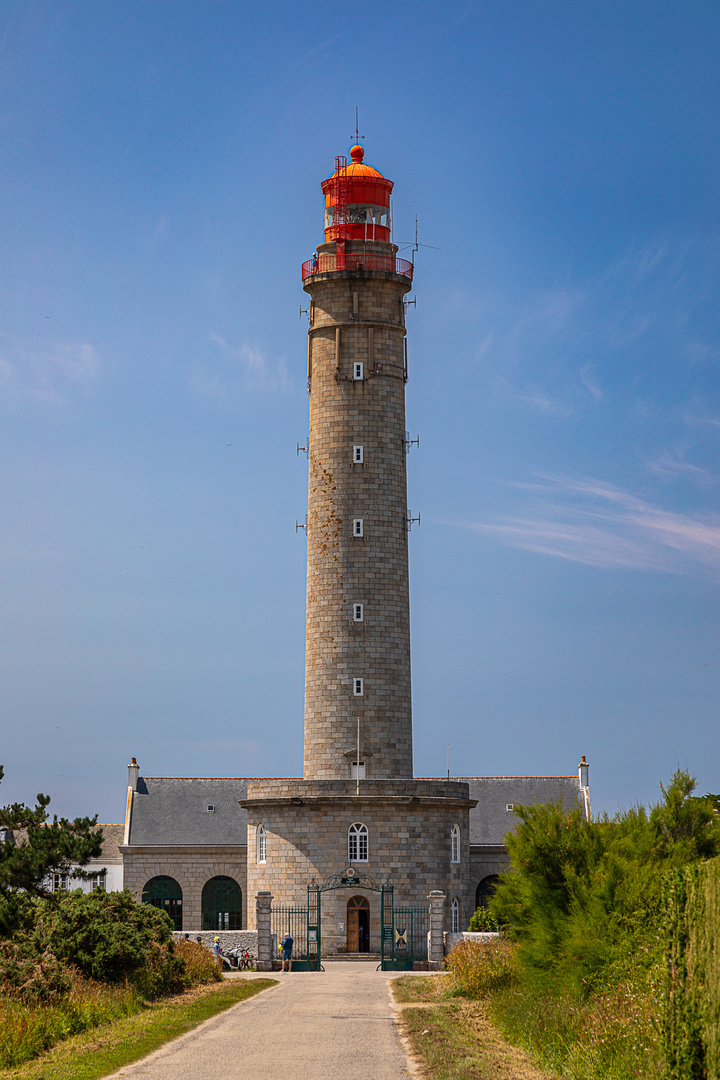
[165, 893]
[485, 889]
[455, 844]
[261, 844]
[455, 916]
[221, 904]
[357, 843]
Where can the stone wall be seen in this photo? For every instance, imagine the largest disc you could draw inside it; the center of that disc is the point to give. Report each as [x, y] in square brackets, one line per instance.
[357, 316]
[229, 939]
[451, 940]
[191, 867]
[408, 822]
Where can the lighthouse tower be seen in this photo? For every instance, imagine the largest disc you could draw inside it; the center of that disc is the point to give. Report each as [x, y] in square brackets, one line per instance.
[357, 670]
[358, 820]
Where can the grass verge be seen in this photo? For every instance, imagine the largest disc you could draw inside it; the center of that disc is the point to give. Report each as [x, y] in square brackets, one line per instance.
[453, 1039]
[103, 1050]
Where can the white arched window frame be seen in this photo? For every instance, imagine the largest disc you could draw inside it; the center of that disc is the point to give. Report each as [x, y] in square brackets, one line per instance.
[455, 844]
[357, 842]
[455, 916]
[261, 844]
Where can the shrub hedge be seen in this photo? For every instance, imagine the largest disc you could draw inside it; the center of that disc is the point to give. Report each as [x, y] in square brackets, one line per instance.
[691, 1024]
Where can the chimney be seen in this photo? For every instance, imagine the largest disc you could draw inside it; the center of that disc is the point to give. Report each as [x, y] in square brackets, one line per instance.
[134, 772]
[583, 772]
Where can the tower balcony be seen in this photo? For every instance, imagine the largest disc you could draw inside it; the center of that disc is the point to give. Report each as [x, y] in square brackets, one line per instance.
[328, 263]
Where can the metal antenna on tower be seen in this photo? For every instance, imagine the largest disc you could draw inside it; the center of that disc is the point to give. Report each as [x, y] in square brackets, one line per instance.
[417, 245]
[358, 136]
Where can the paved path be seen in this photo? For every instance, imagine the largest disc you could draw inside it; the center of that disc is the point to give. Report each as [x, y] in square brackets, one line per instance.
[327, 1025]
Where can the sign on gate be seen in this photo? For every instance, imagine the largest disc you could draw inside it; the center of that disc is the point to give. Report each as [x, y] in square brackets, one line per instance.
[404, 930]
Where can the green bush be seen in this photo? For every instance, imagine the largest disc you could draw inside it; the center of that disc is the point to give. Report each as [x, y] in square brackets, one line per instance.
[483, 919]
[31, 977]
[691, 1023]
[107, 936]
[582, 897]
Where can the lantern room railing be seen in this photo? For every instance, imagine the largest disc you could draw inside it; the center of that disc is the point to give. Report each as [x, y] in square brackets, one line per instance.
[326, 264]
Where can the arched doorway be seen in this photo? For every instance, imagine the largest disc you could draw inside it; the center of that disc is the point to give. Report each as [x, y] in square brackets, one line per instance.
[358, 924]
[485, 890]
[221, 904]
[165, 893]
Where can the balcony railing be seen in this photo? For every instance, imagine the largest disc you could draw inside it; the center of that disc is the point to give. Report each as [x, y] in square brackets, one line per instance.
[326, 264]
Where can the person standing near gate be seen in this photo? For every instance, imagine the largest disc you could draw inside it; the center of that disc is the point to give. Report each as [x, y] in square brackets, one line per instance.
[287, 952]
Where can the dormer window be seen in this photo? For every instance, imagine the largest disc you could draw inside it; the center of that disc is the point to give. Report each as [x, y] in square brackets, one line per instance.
[211, 808]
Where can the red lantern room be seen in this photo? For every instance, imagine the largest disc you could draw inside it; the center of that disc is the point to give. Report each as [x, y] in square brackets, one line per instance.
[357, 201]
[357, 222]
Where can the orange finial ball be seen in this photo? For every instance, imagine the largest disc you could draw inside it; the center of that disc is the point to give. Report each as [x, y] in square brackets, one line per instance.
[357, 153]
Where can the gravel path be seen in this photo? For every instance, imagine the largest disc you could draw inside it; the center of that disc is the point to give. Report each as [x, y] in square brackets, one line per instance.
[328, 1025]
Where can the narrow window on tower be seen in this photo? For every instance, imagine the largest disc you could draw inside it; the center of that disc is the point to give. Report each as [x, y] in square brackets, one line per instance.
[358, 613]
[358, 371]
[455, 844]
[358, 527]
[358, 688]
[358, 455]
[455, 916]
[357, 770]
[261, 844]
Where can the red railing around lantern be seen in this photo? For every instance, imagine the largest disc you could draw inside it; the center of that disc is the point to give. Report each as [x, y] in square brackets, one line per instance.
[326, 264]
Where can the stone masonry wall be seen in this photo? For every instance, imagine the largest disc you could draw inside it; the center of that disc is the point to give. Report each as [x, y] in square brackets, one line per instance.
[408, 824]
[344, 569]
[191, 867]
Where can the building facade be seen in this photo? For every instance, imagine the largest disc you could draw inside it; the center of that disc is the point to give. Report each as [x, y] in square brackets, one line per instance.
[192, 844]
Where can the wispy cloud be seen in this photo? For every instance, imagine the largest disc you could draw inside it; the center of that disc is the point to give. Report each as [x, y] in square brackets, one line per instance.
[44, 369]
[592, 522]
[673, 466]
[238, 372]
[632, 329]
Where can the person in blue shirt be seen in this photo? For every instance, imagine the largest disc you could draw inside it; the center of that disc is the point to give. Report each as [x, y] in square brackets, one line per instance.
[287, 952]
[217, 951]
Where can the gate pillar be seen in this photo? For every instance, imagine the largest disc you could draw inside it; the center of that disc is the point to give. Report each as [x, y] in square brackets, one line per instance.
[263, 904]
[436, 949]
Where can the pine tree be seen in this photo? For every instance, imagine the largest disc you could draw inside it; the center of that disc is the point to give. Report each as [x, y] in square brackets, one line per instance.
[27, 861]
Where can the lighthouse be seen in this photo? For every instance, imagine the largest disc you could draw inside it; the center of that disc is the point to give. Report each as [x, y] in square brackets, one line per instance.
[358, 719]
[358, 820]
[357, 855]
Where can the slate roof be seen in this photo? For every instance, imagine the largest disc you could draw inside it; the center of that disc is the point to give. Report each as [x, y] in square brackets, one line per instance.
[490, 820]
[173, 810]
[112, 839]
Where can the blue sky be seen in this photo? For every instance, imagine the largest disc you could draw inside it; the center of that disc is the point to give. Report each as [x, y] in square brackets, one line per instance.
[160, 166]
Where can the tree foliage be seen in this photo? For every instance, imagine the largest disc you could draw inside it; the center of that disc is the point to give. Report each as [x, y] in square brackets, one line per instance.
[25, 867]
[584, 896]
[108, 936]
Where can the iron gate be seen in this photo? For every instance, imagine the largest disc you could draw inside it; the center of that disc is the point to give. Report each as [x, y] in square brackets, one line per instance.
[403, 933]
[303, 925]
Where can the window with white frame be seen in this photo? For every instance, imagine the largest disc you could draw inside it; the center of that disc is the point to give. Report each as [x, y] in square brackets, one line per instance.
[357, 527]
[99, 881]
[261, 844]
[358, 370]
[357, 843]
[60, 881]
[358, 455]
[357, 770]
[358, 610]
[455, 844]
[358, 687]
[455, 916]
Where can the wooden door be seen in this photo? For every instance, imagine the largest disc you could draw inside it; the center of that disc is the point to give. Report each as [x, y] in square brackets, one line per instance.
[355, 905]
